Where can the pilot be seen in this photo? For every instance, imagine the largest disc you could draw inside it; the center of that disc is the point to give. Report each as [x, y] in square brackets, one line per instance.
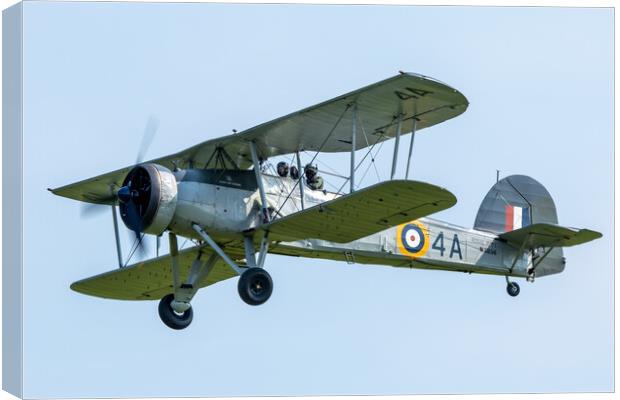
[282, 169]
[294, 172]
[313, 180]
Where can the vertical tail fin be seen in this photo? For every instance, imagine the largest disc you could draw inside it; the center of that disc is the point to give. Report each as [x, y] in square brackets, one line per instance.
[515, 202]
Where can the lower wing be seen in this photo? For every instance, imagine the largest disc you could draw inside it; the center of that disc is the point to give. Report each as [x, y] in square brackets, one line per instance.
[150, 279]
[363, 213]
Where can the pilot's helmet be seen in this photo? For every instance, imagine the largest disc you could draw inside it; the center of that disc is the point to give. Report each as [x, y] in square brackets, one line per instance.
[282, 169]
[311, 171]
[294, 172]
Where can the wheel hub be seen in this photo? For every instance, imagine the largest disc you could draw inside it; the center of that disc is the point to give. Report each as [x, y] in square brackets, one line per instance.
[257, 286]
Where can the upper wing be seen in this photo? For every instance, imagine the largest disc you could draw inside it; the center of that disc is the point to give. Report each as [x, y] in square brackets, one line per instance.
[363, 213]
[415, 96]
[548, 235]
[149, 280]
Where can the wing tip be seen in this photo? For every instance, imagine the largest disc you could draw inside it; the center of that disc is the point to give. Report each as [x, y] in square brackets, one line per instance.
[465, 102]
[415, 184]
[595, 234]
[76, 287]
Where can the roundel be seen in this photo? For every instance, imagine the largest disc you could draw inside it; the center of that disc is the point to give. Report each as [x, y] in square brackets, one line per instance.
[412, 239]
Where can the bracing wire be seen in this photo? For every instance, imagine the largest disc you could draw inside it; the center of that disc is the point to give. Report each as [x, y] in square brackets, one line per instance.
[134, 247]
[368, 144]
[292, 159]
[269, 166]
[302, 174]
[281, 184]
[364, 158]
[325, 165]
[366, 155]
[372, 163]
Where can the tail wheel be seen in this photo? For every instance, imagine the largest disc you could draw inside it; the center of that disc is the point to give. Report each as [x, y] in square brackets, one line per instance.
[255, 286]
[171, 318]
[513, 289]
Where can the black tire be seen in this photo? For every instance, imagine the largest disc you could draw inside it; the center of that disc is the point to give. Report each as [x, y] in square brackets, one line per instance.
[513, 289]
[170, 317]
[255, 286]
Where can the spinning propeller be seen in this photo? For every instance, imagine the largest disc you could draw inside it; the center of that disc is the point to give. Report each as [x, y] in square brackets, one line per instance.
[134, 196]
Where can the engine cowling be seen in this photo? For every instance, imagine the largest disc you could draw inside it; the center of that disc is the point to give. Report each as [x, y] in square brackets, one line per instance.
[148, 198]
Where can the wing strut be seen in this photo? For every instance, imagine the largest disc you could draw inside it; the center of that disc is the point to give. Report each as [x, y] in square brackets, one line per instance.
[118, 241]
[301, 187]
[415, 123]
[259, 181]
[396, 143]
[353, 147]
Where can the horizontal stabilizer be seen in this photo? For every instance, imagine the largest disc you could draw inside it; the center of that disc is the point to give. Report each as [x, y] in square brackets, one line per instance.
[150, 279]
[363, 213]
[548, 235]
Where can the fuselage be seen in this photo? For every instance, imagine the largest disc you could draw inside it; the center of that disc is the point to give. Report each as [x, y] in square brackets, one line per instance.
[227, 204]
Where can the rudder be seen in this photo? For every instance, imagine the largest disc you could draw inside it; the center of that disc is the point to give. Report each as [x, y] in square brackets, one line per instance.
[515, 202]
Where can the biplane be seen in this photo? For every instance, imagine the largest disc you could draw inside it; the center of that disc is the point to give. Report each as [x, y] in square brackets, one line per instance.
[220, 195]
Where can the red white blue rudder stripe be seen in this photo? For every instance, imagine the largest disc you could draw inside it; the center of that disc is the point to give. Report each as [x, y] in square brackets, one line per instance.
[516, 217]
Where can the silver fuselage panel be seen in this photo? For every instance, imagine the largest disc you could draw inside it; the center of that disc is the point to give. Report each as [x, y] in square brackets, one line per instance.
[228, 204]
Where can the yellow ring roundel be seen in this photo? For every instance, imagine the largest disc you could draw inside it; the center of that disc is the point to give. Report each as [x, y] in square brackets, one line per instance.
[412, 239]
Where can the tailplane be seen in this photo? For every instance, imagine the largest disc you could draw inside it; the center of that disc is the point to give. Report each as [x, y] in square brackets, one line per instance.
[522, 213]
[515, 203]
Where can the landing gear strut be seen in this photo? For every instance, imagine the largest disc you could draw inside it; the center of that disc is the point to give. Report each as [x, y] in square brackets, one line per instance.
[175, 309]
[255, 284]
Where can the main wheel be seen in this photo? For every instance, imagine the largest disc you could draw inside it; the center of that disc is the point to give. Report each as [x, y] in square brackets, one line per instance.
[171, 318]
[255, 286]
[513, 289]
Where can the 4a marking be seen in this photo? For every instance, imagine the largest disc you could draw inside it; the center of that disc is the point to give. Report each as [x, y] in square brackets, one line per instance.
[455, 249]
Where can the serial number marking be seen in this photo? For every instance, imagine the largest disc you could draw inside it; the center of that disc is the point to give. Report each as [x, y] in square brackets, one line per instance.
[491, 249]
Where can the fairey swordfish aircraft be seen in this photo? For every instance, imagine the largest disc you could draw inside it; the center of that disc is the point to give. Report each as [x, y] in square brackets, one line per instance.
[219, 195]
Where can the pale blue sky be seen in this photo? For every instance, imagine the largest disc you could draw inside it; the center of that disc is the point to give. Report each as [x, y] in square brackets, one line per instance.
[540, 86]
